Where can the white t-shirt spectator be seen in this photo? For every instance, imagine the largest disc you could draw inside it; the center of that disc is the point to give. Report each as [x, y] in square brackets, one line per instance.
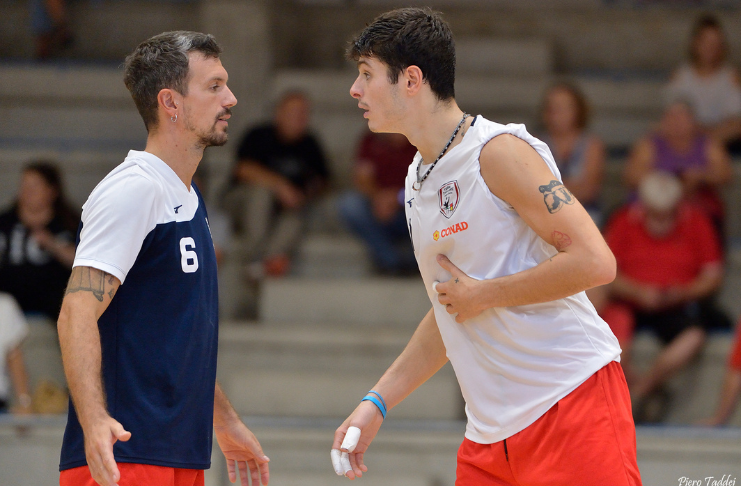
[714, 98]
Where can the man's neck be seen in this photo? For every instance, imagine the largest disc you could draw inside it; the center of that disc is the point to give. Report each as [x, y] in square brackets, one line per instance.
[183, 156]
[431, 129]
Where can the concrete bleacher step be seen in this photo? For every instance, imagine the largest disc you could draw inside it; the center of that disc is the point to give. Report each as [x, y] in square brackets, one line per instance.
[62, 84]
[623, 95]
[263, 368]
[378, 300]
[81, 169]
[503, 56]
[263, 365]
[422, 453]
[695, 391]
[80, 126]
[336, 256]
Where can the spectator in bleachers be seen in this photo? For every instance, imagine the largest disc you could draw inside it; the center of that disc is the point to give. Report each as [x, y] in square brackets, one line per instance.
[50, 25]
[668, 261]
[710, 84]
[37, 241]
[374, 211]
[280, 171]
[681, 148]
[580, 155]
[13, 329]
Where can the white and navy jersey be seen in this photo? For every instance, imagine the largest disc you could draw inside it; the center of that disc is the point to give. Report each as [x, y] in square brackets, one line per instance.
[159, 334]
[512, 363]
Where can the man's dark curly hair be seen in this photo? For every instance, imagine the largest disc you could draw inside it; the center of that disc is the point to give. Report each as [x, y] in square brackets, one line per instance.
[411, 37]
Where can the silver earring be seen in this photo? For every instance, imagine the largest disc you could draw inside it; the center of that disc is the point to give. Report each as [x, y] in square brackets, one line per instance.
[174, 118]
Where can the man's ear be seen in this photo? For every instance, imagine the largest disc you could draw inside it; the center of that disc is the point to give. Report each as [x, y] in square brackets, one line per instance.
[169, 101]
[413, 80]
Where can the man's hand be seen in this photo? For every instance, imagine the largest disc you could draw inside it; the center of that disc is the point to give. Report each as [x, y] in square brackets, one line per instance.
[242, 451]
[99, 439]
[368, 419]
[460, 294]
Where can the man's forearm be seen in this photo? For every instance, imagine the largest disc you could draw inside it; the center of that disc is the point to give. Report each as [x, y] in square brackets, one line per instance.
[423, 356]
[224, 412]
[560, 276]
[81, 355]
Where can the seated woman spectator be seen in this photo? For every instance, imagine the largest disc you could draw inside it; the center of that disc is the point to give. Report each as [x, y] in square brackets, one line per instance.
[374, 211]
[13, 329]
[37, 241]
[668, 261]
[710, 84]
[679, 147]
[580, 155]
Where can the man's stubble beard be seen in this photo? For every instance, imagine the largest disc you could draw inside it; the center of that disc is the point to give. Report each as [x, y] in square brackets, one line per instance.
[210, 138]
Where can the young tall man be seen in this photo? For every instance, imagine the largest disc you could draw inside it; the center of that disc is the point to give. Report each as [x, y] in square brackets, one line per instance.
[505, 252]
[139, 321]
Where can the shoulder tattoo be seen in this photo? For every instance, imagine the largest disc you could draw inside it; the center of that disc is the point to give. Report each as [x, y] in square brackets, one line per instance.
[555, 195]
[88, 279]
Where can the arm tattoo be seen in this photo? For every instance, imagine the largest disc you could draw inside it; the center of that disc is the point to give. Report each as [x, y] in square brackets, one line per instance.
[560, 240]
[456, 280]
[90, 280]
[111, 292]
[556, 195]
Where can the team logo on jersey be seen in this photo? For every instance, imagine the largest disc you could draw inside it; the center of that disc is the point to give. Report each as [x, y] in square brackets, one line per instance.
[449, 195]
[450, 230]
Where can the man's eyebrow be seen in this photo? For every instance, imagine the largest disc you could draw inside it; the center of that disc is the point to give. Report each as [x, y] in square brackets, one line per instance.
[217, 78]
[363, 62]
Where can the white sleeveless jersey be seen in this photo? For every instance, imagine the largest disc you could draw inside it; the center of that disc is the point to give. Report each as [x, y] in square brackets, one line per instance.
[512, 363]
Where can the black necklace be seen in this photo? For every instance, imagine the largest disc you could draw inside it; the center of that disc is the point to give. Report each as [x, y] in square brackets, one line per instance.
[420, 179]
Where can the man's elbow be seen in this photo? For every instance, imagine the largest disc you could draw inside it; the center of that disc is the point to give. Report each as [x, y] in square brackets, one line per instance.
[603, 269]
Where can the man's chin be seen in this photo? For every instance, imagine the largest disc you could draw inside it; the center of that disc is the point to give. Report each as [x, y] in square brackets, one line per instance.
[214, 141]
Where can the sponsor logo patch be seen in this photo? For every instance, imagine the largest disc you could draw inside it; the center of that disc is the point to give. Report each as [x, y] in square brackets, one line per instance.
[449, 195]
[450, 230]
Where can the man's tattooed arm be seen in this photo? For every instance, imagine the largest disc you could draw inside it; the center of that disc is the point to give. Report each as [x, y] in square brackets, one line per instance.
[555, 196]
[97, 282]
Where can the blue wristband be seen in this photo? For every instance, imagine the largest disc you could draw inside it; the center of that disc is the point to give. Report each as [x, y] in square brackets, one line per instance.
[379, 396]
[371, 398]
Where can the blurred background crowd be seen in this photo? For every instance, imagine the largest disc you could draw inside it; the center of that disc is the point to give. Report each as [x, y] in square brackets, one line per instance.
[638, 100]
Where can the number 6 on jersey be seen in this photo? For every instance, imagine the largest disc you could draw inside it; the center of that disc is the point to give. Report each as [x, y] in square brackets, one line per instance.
[188, 258]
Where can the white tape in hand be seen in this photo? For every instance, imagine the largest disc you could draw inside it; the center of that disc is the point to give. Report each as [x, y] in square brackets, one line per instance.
[341, 460]
[351, 439]
[434, 286]
[335, 455]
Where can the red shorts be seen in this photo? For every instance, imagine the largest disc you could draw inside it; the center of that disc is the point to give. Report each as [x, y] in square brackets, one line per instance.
[587, 438]
[137, 475]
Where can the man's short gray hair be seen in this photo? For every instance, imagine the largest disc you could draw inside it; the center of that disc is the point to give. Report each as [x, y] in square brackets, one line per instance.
[161, 62]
